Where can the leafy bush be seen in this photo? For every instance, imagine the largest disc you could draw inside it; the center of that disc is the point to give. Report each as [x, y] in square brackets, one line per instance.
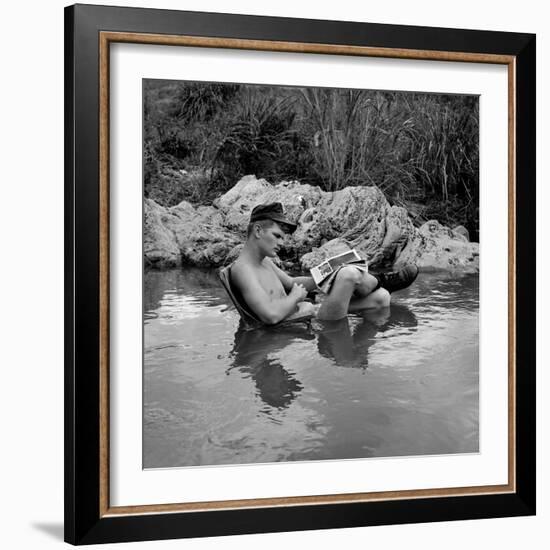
[419, 149]
[258, 138]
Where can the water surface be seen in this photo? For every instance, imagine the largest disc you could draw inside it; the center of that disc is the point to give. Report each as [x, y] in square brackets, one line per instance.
[399, 381]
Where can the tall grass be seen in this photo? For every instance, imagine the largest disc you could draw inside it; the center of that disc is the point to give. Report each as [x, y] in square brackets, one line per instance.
[258, 138]
[421, 150]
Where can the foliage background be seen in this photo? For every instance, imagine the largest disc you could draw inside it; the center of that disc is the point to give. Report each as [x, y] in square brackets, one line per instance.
[421, 150]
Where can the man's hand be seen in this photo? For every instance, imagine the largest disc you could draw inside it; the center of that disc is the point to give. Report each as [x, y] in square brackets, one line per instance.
[298, 292]
[269, 310]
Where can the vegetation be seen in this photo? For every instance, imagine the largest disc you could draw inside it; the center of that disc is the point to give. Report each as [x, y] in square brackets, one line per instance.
[420, 149]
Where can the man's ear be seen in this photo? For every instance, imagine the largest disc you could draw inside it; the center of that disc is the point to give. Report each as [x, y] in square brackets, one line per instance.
[256, 228]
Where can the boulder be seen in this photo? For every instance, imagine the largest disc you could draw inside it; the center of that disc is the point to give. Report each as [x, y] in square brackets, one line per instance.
[237, 204]
[160, 248]
[356, 214]
[436, 247]
[201, 234]
[461, 230]
[328, 223]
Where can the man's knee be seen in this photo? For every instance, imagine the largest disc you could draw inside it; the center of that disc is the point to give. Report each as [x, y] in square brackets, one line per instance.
[350, 275]
[381, 297]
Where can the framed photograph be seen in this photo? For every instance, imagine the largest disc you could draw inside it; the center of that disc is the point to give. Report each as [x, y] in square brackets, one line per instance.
[213, 163]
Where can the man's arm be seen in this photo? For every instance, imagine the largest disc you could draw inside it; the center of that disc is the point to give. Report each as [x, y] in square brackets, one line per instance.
[269, 310]
[307, 282]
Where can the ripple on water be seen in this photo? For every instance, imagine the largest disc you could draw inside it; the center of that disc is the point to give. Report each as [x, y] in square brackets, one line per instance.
[403, 381]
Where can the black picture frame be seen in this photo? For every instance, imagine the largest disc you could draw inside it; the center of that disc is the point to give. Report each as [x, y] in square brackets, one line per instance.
[87, 520]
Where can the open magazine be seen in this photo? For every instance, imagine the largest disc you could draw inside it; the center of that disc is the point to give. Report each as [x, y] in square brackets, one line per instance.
[325, 273]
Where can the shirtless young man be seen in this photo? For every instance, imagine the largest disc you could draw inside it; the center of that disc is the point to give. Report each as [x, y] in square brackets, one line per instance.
[273, 295]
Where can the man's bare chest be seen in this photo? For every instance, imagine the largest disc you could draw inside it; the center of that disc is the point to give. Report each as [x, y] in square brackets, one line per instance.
[270, 283]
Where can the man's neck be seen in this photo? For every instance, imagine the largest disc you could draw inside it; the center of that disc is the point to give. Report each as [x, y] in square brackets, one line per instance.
[252, 254]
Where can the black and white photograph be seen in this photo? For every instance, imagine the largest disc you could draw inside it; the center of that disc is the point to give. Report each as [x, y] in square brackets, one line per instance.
[258, 350]
[278, 276]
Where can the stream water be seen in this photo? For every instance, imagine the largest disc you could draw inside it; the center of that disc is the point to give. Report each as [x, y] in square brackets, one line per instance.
[399, 381]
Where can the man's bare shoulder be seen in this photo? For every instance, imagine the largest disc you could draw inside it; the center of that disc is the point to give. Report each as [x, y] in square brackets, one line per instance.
[242, 272]
[242, 265]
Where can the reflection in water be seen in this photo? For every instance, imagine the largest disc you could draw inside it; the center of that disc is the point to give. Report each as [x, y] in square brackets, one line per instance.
[251, 356]
[254, 351]
[348, 346]
[199, 283]
[216, 394]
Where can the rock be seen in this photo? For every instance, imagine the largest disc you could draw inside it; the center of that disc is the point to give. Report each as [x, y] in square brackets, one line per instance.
[438, 247]
[201, 234]
[461, 230]
[356, 214]
[238, 202]
[160, 248]
[328, 223]
[399, 231]
[245, 190]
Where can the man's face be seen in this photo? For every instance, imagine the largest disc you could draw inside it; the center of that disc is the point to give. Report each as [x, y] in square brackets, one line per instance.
[271, 239]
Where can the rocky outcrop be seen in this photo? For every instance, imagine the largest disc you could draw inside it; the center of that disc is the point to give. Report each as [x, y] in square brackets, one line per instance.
[443, 248]
[461, 230]
[328, 223]
[160, 248]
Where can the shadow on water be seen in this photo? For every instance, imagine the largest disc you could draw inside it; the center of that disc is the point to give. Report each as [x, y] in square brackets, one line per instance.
[255, 352]
[348, 345]
[276, 386]
[391, 382]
